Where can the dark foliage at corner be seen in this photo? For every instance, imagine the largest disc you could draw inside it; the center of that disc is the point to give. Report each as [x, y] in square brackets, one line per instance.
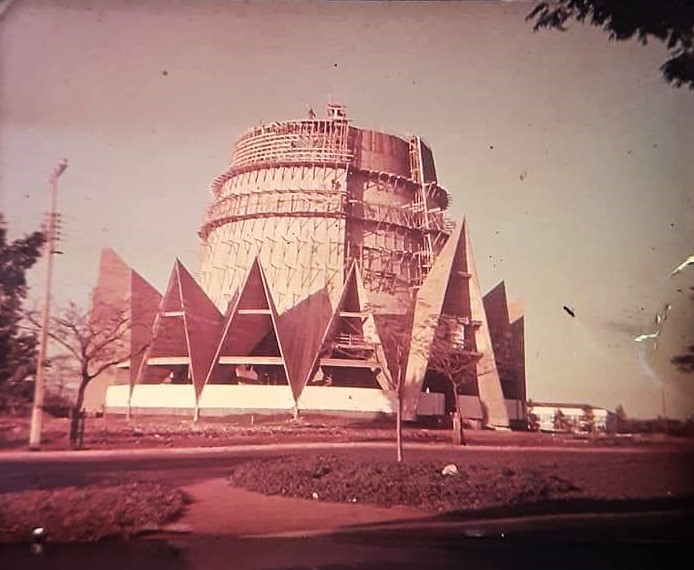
[670, 21]
[17, 346]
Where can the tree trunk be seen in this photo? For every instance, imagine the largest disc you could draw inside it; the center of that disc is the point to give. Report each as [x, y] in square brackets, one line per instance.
[295, 412]
[458, 434]
[398, 428]
[76, 415]
[457, 429]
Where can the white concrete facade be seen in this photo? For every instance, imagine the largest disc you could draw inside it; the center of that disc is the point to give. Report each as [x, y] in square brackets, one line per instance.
[221, 399]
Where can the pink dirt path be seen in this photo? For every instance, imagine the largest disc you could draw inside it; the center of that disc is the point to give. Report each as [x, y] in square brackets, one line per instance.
[218, 508]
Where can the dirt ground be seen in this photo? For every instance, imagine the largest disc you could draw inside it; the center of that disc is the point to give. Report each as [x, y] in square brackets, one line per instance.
[161, 432]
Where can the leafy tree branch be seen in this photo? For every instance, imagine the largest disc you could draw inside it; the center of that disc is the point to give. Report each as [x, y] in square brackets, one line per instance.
[669, 21]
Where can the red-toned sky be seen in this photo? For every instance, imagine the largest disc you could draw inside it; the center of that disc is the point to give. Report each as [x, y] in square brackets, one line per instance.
[570, 156]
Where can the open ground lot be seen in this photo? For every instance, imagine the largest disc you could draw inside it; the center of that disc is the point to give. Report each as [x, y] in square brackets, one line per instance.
[175, 432]
[276, 476]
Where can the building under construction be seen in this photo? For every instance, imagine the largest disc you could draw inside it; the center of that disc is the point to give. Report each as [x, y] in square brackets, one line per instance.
[330, 275]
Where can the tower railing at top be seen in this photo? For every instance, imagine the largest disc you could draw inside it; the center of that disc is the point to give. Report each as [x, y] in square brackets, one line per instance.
[316, 141]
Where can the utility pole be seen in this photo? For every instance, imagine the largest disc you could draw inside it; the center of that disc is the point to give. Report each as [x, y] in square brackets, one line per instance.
[37, 408]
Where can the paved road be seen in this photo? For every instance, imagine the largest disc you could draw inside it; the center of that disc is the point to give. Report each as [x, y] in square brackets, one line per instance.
[26, 470]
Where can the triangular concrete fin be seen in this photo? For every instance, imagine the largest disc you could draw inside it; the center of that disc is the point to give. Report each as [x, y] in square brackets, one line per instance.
[112, 292]
[353, 301]
[250, 319]
[301, 330]
[214, 373]
[113, 280]
[452, 288]
[394, 331]
[517, 318]
[348, 300]
[145, 302]
[488, 383]
[121, 288]
[274, 317]
[370, 330]
[202, 323]
[171, 301]
[428, 305]
[235, 341]
[232, 303]
[254, 294]
[169, 339]
[496, 310]
[456, 300]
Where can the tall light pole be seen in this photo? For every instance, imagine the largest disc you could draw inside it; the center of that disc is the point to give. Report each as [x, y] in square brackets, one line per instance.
[37, 408]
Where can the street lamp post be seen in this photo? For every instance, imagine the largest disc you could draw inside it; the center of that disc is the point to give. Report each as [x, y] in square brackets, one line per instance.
[39, 385]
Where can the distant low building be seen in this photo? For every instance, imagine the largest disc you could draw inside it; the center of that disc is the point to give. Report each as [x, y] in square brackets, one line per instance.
[571, 417]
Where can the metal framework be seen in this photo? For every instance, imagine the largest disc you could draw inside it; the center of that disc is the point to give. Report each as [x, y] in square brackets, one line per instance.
[308, 197]
[321, 241]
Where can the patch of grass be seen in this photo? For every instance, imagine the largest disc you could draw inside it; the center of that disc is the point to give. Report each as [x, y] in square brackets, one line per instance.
[416, 484]
[88, 513]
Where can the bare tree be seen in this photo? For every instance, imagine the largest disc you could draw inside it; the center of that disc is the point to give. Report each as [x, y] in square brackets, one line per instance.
[61, 373]
[455, 360]
[396, 345]
[96, 340]
[445, 353]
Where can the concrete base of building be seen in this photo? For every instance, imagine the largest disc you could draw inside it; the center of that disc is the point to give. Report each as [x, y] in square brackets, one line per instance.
[222, 399]
[231, 414]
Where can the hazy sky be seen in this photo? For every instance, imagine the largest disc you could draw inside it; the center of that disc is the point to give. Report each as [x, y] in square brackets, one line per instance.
[569, 155]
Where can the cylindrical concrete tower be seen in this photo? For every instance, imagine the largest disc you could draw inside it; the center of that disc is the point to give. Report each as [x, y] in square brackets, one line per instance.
[308, 196]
